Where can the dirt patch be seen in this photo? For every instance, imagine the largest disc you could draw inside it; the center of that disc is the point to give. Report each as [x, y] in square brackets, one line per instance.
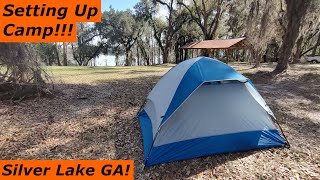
[96, 119]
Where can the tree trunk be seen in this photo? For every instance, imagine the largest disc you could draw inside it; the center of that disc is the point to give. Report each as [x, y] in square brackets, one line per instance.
[131, 59]
[153, 50]
[298, 50]
[314, 51]
[165, 56]
[85, 62]
[57, 54]
[166, 51]
[243, 55]
[296, 10]
[65, 55]
[159, 57]
[117, 58]
[177, 53]
[138, 56]
[257, 58]
[58, 60]
[127, 58]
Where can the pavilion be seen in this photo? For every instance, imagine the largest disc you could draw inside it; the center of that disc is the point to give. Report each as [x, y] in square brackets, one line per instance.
[225, 44]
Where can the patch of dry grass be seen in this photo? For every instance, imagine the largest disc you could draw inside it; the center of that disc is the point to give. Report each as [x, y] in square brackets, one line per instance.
[98, 75]
[93, 117]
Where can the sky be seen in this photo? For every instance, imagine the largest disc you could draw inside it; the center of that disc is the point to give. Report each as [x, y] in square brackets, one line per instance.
[118, 4]
[127, 4]
[109, 60]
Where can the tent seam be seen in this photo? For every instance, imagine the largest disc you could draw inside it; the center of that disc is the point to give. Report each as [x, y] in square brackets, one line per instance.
[200, 71]
[159, 128]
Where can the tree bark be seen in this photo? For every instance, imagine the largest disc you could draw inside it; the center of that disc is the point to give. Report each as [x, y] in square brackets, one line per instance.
[296, 10]
[127, 58]
[165, 56]
[298, 50]
[57, 53]
[257, 57]
[65, 55]
[117, 59]
[138, 56]
[314, 51]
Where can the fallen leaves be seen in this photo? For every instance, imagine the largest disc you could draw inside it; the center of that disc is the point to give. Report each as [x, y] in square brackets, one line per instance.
[94, 117]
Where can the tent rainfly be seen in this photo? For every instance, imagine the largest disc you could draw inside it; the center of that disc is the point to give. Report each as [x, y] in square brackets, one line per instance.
[203, 107]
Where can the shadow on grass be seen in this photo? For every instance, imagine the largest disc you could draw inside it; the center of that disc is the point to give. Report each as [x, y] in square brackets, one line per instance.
[141, 71]
[305, 87]
[261, 77]
[303, 126]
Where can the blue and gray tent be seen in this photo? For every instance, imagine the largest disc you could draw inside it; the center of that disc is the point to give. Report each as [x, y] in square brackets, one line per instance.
[203, 107]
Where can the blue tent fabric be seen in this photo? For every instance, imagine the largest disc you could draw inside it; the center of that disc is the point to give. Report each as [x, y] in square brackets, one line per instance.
[146, 126]
[214, 145]
[199, 72]
[202, 71]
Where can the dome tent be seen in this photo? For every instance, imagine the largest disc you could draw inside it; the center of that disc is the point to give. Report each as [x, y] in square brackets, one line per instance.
[203, 107]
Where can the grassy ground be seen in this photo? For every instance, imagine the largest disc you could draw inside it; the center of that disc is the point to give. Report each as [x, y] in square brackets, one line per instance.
[93, 116]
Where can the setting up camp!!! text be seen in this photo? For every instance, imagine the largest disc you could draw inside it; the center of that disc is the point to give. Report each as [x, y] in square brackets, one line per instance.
[60, 28]
[43, 10]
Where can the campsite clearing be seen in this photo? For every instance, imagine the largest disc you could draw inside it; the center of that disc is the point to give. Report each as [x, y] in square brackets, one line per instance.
[93, 116]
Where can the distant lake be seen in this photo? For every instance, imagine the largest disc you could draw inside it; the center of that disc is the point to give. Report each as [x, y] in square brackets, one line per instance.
[109, 60]
[105, 60]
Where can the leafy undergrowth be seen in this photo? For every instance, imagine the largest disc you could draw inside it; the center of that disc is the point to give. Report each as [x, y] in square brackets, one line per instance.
[94, 117]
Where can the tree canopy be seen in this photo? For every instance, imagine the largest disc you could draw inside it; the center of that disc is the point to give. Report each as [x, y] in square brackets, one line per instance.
[151, 33]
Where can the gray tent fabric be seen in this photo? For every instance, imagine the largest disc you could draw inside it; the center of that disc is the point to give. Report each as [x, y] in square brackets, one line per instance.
[202, 107]
[224, 109]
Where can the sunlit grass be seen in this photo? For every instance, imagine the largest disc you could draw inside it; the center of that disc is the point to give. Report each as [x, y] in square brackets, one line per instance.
[96, 75]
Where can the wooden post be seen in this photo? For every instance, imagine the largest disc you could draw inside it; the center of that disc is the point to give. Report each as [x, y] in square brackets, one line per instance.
[227, 56]
[185, 54]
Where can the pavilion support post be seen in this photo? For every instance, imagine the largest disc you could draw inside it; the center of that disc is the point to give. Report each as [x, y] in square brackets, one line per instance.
[185, 54]
[228, 56]
[182, 55]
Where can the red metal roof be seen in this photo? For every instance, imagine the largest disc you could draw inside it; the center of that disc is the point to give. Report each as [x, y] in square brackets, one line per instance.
[213, 44]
